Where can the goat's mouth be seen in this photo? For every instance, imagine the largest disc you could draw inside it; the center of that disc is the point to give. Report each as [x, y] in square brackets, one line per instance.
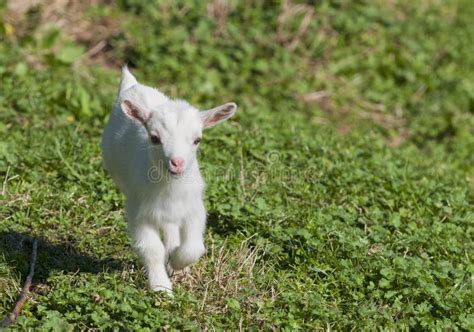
[174, 173]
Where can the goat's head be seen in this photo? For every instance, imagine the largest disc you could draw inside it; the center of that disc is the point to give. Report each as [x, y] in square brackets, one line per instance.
[174, 127]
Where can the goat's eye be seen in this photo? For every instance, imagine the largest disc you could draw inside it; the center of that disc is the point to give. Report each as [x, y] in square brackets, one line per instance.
[197, 141]
[155, 139]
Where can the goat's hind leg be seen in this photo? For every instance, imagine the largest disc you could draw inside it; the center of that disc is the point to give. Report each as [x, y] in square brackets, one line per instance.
[148, 245]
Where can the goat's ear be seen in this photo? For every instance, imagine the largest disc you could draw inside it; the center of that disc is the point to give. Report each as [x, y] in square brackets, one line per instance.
[127, 80]
[218, 114]
[134, 111]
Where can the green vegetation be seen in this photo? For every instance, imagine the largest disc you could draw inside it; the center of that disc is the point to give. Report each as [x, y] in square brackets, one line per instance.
[339, 197]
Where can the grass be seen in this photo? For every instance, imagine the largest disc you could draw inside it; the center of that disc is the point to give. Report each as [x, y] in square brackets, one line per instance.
[340, 197]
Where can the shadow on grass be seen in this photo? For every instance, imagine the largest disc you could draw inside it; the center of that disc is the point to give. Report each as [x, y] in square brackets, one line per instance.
[16, 248]
[221, 225]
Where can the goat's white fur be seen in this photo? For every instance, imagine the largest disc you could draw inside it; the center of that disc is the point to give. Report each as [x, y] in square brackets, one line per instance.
[165, 213]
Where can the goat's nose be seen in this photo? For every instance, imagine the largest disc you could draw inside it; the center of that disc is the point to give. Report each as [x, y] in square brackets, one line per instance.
[177, 162]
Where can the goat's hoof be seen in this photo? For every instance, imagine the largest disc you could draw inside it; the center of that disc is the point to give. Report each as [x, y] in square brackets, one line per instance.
[169, 270]
[166, 290]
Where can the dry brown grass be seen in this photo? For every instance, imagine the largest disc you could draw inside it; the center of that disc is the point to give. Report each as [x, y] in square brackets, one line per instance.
[289, 12]
[355, 108]
[228, 274]
[36, 17]
[10, 287]
[218, 11]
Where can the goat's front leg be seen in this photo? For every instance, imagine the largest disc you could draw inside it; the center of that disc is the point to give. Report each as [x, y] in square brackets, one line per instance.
[192, 242]
[147, 243]
[171, 239]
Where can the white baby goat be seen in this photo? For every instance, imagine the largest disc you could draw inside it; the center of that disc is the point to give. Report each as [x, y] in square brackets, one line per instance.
[149, 148]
